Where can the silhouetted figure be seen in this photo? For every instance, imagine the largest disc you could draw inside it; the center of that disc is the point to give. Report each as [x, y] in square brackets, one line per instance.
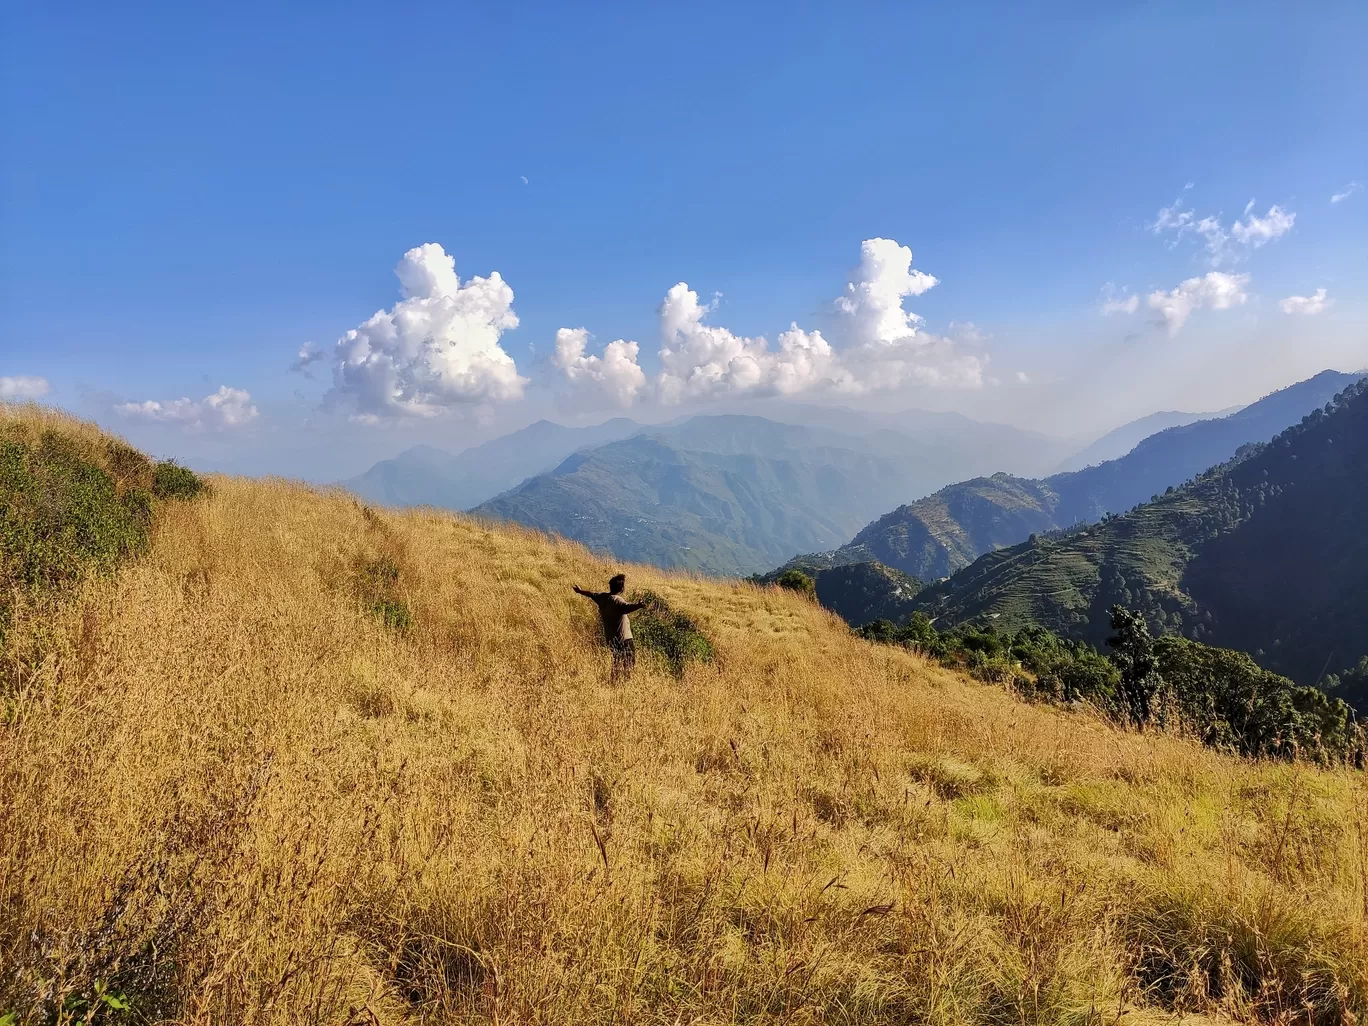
[617, 629]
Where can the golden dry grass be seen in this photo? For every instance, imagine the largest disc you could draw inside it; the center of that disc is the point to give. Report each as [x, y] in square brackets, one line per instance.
[232, 794]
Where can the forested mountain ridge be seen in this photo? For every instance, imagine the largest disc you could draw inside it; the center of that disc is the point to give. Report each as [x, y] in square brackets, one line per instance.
[1266, 554]
[935, 536]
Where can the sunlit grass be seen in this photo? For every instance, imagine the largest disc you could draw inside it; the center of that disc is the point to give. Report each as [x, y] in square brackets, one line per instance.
[234, 791]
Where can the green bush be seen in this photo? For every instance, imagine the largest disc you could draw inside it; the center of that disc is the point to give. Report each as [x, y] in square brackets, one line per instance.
[672, 635]
[172, 481]
[62, 517]
[796, 580]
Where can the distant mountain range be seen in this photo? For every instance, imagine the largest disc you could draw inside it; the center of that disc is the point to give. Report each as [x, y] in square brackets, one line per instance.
[725, 495]
[425, 476]
[1115, 444]
[967, 447]
[1267, 554]
[949, 446]
[933, 537]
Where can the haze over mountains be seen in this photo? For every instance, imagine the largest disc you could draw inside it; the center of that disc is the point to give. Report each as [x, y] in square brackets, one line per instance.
[949, 446]
[723, 494]
[734, 494]
[1116, 443]
[427, 476]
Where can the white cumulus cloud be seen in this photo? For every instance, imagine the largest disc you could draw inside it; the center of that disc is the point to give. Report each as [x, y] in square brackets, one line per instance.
[23, 387]
[1346, 192]
[615, 376]
[1223, 246]
[1256, 230]
[884, 345]
[435, 349]
[699, 360]
[226, 408]
[1121, 301]
[1307, 306]
[1215, 290]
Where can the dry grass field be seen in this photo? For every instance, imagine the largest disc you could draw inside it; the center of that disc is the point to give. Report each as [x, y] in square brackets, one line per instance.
[234, 789]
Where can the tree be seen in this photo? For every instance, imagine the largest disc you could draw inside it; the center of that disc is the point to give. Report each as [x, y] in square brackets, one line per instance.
[1133, 653]
[796, 580]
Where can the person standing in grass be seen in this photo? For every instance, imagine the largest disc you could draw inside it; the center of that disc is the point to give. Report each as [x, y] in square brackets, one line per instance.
[617, 628]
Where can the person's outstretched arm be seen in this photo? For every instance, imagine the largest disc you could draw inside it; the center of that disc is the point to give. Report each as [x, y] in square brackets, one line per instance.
[586, 594]
[632, 607]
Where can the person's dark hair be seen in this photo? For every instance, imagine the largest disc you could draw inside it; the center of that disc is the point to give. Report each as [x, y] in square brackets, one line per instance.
[616, 584]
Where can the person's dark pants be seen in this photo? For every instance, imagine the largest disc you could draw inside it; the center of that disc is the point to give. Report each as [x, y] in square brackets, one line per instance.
[624, 658]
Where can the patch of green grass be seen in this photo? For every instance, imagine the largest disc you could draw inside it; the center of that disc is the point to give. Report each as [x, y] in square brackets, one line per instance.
[672, 635]
[393, 613]
[377, 585]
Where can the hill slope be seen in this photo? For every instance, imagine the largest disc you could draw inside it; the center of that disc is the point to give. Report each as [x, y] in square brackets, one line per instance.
[234, 791]
[722, 494]
[424, 476]
[1268, 555]
[1119, 441]
[935, 536]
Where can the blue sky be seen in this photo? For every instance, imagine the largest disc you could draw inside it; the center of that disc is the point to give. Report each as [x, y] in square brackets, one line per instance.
[189, 196]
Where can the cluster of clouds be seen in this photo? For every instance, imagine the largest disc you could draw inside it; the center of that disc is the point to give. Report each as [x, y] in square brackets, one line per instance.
[440, 346]
[226, 408]
[880, 344]
[1217, 289]
[23, 387]
[1224, 245]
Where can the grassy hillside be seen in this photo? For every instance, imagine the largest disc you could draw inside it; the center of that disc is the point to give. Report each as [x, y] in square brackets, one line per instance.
[241, 788]
[935, 536]
[1267, 554]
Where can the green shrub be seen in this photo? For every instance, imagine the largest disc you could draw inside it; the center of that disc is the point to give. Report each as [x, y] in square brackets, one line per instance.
[61, 518]
[172, 481]
[672, 635]
[796, 580]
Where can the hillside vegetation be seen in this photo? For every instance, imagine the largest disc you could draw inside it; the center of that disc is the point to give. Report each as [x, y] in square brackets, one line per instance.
[856, 592]
[1266, 554]
[298, 761]
[942, 533]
